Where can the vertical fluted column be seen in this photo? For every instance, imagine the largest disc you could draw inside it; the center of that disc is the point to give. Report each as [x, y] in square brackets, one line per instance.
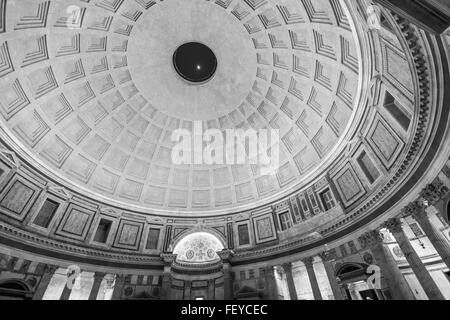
[47, 275]
[389, 269]
[119, 282]
[326, 260]
[168, 259]
[309, 264]
[98, 278]
[437, 239]
[287, 267]
[271, 284]
[395, 227]
[226, 256]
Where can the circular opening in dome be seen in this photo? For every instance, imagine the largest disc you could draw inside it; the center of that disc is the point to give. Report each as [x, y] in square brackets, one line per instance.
[195, 62]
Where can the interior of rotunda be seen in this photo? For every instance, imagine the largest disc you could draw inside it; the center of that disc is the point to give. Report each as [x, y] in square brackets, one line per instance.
[94, 204]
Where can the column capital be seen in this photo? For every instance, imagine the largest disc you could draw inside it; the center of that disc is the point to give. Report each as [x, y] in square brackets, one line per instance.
[50, 268]
[168, 258]
[434, 191]
[99, 276]
[287, 267]
[120, 279]
[226, 255]
[416, 209]
[308, 261]
[326, 255]
[394, 225]
[371, 238]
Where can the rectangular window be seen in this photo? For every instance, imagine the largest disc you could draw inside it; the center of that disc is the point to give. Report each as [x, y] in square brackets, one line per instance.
[367, 166]
[152, 239]
[244, 237]
[285, 222]
[396, 111]
[251, 274]
[327, 199]
[242, 275]
[45, 215]
[101, 236]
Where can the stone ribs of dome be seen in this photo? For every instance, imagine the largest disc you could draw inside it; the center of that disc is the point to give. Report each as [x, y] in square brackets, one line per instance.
[90, 93]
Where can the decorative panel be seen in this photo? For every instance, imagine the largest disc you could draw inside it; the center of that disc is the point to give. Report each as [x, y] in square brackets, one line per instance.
[128, 235]
[17, 198]
[348, 185]
[264, 228]
[76, 222]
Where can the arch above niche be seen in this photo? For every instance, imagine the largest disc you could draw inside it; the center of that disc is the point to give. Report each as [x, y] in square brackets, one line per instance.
[197, 248]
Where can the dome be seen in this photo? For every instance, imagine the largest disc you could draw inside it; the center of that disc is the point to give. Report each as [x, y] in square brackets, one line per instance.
[221, 149]
[99, 98]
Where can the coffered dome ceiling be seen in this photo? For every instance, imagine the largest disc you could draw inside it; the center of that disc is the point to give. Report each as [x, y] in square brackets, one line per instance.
[89, 91]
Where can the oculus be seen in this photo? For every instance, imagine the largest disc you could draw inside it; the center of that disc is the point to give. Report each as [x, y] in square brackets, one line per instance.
[195, 62]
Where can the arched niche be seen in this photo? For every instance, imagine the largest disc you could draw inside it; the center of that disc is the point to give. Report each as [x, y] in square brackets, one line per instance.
[352, 270]
[14, 289]
[198, 247]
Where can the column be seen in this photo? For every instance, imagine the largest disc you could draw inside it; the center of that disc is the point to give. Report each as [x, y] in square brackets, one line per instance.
[211, 289]
[287, 267]
[432, 15]
[168, 259]
[395, 227]
[432, 194]
[187, 289]
[389, 270]
[47, 275]
[271, 284]
[98, 278]
[226, 256]
[418, 211]
[118, 287]
[309, 263]
[326, 260]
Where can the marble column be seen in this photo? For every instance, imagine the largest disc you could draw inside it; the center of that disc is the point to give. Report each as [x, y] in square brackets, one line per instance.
[309, 264]
[389, 269]
[271, 284]
[47, 275]
[394, 225]
[168, 259]
[119, 283]
[418, 211]
[287, 267]
[98, 278]
[335, 288]
[226, 256]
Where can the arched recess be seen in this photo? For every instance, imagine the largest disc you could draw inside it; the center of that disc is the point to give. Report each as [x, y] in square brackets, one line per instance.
[180, 236]
[198, 247]
[14, 289]
[352, 271]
